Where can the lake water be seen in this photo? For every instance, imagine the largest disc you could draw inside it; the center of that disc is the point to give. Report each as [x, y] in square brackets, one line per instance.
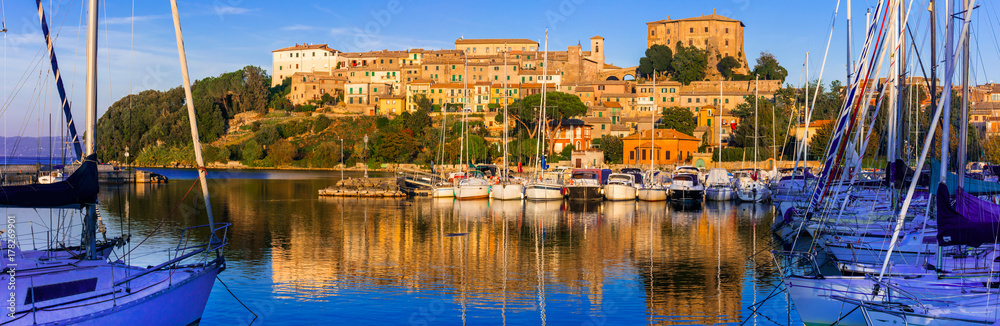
[295, 258]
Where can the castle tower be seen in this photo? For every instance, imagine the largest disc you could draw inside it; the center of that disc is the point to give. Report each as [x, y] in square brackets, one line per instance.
[597, 50]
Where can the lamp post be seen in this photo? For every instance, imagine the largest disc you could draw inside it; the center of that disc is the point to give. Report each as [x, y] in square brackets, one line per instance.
[341, 159]
[366, 156]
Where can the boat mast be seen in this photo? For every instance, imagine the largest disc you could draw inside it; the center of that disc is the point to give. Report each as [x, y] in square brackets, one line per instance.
[545, 80]
[544, 126]
[503, 171]
[192, 118]
[756, 82]
[718, 163]
[652, 131]
[949, 68]
[964, 130]
[90, 222]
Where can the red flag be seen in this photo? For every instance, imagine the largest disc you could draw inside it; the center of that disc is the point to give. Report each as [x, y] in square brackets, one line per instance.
[519, 170]
[733, 125]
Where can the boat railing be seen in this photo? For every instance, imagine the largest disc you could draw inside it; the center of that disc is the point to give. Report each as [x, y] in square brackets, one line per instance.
[797, 263]
[188, 247]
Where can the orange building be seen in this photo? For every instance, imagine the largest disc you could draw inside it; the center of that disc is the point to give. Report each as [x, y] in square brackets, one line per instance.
[569, 132]
[668, 147]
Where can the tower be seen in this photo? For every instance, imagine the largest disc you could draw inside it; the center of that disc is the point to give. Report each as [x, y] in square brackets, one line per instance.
[597, 50]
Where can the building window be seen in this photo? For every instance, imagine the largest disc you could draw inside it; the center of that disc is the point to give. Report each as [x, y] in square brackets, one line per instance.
[706, 42]
[690, 43]
[727, 44]
[706, 29]
[631, 155]
[666, 155]
[689, 100]
[691, 30]
[727, 101]
[727, 30]
[652, 32]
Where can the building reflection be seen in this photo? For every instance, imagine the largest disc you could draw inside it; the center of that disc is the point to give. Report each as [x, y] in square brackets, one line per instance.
[493, 255]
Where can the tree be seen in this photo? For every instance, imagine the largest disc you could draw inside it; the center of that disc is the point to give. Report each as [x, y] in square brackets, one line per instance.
[282, 153]
[524, 112]
[255, 92]
[770, 132]
[678, 118]
[726, 66]
[689, 63]
[567, 152]
[612, 147]
[768, 68]
[423, 102]
[252, 151]
[819, 140]
[658, 58]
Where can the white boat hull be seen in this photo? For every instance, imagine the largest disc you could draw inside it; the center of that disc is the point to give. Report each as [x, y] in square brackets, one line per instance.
[719, 193]
[619, 192]
[652, 194]
[543, 192]
[472, 192]
[443, 192]
[510, 191]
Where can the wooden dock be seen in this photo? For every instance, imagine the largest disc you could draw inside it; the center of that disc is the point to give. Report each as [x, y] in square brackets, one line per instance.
[364, 187]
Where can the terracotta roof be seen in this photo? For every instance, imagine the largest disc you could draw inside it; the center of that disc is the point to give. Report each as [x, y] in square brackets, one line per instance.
[713, 16]
[584, 89]
[306, 47]
[612, 104]
[620, 127]
[494, 41]
[986, 106]
[626, 95]
[448, 85]
[665, 133]
[596, 120]
[816, 124]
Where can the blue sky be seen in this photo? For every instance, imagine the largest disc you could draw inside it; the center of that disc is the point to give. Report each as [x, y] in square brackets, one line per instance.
[225, 35]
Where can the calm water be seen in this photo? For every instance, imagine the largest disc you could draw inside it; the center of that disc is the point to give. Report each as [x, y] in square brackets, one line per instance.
[295, 258]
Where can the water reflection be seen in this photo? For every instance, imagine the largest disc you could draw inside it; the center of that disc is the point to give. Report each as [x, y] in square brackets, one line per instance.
[424, 260]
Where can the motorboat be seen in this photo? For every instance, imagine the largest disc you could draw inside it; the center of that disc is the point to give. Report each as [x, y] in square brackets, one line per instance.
[621, 186]
[751, 187]
[585, 185]
[686, 188]
[718, 185]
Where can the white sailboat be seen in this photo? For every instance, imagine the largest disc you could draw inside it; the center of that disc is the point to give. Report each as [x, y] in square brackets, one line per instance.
[56, 287]
[544, 185]
[750, 186]
[652, 187]
[621, 186]
[507, 187]
[718, 185]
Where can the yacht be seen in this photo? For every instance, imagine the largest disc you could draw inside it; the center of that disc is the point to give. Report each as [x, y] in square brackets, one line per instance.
[621, 186]
[751, 187]
[718, 185]
[686, 188]
[585, 185]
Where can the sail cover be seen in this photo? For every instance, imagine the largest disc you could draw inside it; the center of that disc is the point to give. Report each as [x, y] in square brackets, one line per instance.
[972, 186]
[79, 189]
[972, 222]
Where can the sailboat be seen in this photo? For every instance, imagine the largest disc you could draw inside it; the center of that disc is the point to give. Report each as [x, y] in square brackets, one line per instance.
[718, 185]
[543, 185]
[653, 187]
[750, 185]
[444, 188]
[506, 187]
[81, 285]
[474, 184]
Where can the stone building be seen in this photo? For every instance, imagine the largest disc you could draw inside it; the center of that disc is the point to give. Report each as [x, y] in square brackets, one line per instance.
[715, 33]
[301, 58]
[308, 86]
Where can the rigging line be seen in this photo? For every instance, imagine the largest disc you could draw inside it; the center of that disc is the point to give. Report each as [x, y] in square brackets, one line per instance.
[23, 79]
[238, 299]
[107, 49]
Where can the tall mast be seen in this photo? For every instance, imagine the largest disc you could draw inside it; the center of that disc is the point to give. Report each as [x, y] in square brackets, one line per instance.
[756, 83]
[963, 131]
[504, 138]
[652, 131]
[193, 119]
[90, 222]
[545, 118]
[933, 60]
[849, 59]
[949, 57]
[718, 163]
[545, 82]
[805, 132]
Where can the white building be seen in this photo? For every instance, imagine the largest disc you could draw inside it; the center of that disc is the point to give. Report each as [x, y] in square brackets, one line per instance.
[301, 58]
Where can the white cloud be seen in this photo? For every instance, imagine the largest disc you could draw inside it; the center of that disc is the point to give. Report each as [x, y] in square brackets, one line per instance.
[230, 10]
[297, 27]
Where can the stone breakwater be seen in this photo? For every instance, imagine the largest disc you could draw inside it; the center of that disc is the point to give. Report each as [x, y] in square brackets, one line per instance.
[364, 187]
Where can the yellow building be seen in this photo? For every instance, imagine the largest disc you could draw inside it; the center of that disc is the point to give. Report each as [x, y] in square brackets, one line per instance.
[390, 105]
[494, 46]
[669, 146]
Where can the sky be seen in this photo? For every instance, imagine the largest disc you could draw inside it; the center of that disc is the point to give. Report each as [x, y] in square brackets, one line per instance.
[138, 50]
